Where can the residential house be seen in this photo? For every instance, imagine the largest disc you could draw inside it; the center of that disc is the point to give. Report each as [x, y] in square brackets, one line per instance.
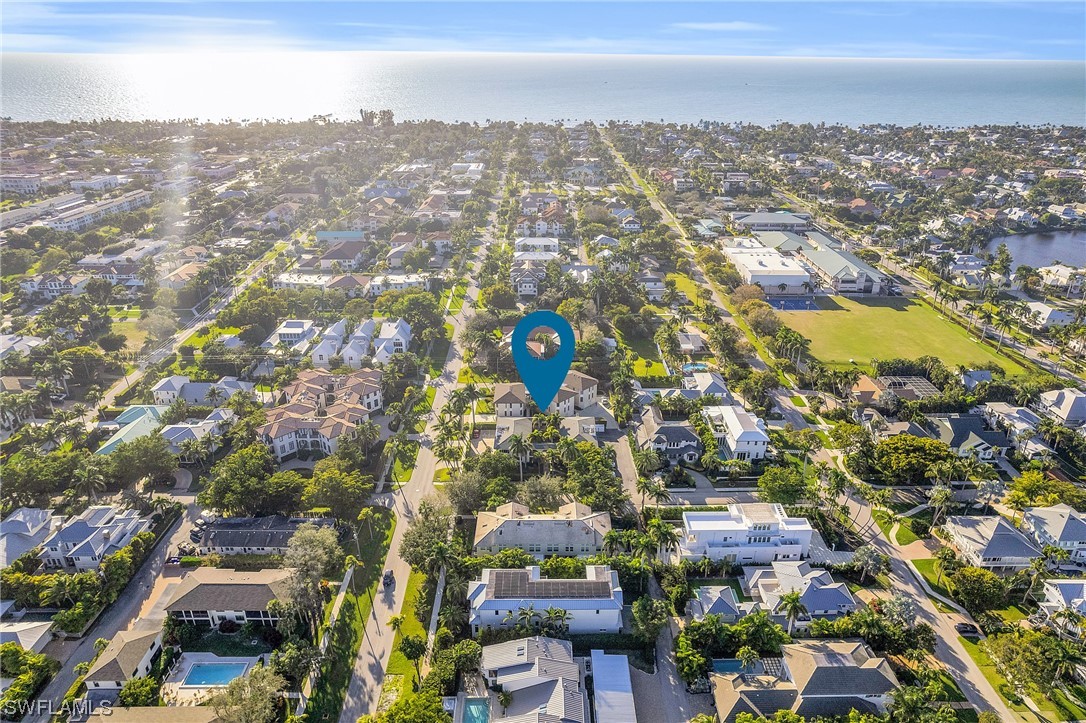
[968, 436]
[537, 243]
[134, 422]
[213, 427]
[653, 284]
[130, 654]
[719, 600]
[328, 344]
[573, 530]
[691, 343]
[82, 541]
[541, 676]
[973, 378]
[394, 337]
[1043, 316]
[753, 533]
[1065, 279]
[1020, 425]
[212, 595]
[1064, 606]
[820, 594]
[741, 435]
[1066, 406]
[675, 441]
[357, 346]
[294, 334]
[1059, 526]
[594, 602]
[268, 535]
[30, 635]
[25, 529]
[526, 277]
[319, 408]
[612, 688]
[816, 678]
[991, 542]
[18, 344]
[511, 400]
[707, 384]
[181, 388]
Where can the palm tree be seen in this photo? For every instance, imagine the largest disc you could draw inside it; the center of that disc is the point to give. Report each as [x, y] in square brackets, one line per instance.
[791, 604]
[644, 485]
[521, 449]
[88, 480]
[505, 699]
[945, 560]
[396, 622]
[659, 494]
[556, 619]
[367, 433]
[214, 395]
[941, 497]
[748, 656]
[663, 536]
[527, 617]
[59, 589]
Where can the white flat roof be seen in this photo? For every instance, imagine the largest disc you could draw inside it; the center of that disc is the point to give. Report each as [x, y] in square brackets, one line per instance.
[612, 694]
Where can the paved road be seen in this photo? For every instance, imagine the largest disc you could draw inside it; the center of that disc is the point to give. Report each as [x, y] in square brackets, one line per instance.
[948, 647]
[367, 678]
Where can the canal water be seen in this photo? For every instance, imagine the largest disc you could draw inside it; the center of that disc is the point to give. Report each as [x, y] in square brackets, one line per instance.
[1044, 249]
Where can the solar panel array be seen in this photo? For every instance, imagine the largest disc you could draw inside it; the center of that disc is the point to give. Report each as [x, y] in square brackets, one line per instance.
[515, 584]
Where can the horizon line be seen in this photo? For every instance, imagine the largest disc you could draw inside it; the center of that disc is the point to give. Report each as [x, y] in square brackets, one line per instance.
[274, 51]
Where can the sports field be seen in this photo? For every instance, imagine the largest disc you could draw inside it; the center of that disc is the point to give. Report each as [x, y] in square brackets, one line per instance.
[845, 328]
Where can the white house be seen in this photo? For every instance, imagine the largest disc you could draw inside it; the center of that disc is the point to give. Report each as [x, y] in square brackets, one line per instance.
[573, 530]
[296, 334]
[537, 243]
[991, 542]
[542, 677]
[511, 400]
[23, 530]
[128, 655]
[741, 434]
[328, 345]
[181, 388]
[393, 338]
[820, 594]
[753, 534]
[1065, 596]
[1043, 316]
[1067, 406]
[358, 345]
[1059, 526]
[83, 540]
[594, 602]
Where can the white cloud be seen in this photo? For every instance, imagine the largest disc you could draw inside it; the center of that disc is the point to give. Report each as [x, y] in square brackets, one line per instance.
[732, 26]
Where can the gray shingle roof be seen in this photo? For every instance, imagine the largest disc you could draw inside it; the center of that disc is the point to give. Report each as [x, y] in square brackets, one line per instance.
[209, 588]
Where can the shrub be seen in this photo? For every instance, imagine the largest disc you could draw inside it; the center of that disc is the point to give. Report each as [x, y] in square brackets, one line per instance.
[228, 626]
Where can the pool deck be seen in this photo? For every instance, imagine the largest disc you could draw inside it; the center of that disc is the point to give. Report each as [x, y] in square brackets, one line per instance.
[174, 690]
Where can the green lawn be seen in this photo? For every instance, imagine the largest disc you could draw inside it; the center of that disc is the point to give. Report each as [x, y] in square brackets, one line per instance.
[905, 535]
[397, 663]
[686, 285]
[648, 363]
[468, 375]
[425, 406]
[441, 476]
[439, 351]
[133, 331]
[458, 294]
[401, 472]
[798, 400]
[858, 329]
[335, 674]
[234, 645]
[200, 340]
[926, 568]
[883, 521]
[988, 670]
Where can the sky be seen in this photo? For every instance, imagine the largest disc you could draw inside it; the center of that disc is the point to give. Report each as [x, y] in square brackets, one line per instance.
[983, 29]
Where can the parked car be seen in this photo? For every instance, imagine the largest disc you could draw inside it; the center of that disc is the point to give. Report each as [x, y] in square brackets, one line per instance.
[173, 561]
[968, 630]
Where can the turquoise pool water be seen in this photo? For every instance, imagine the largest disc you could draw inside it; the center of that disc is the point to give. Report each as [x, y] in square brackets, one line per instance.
[209, 674]
[695, 367]
[476, 710]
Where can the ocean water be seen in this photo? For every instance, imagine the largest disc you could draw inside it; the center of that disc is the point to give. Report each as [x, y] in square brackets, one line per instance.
[479, 87]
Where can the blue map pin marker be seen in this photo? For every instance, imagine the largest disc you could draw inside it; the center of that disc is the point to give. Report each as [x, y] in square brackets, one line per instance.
[543, 377]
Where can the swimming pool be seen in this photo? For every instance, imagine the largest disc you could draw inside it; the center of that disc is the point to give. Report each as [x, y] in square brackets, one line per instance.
[213, 674]
[695, 367]
[734, 665]
[477, 710]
